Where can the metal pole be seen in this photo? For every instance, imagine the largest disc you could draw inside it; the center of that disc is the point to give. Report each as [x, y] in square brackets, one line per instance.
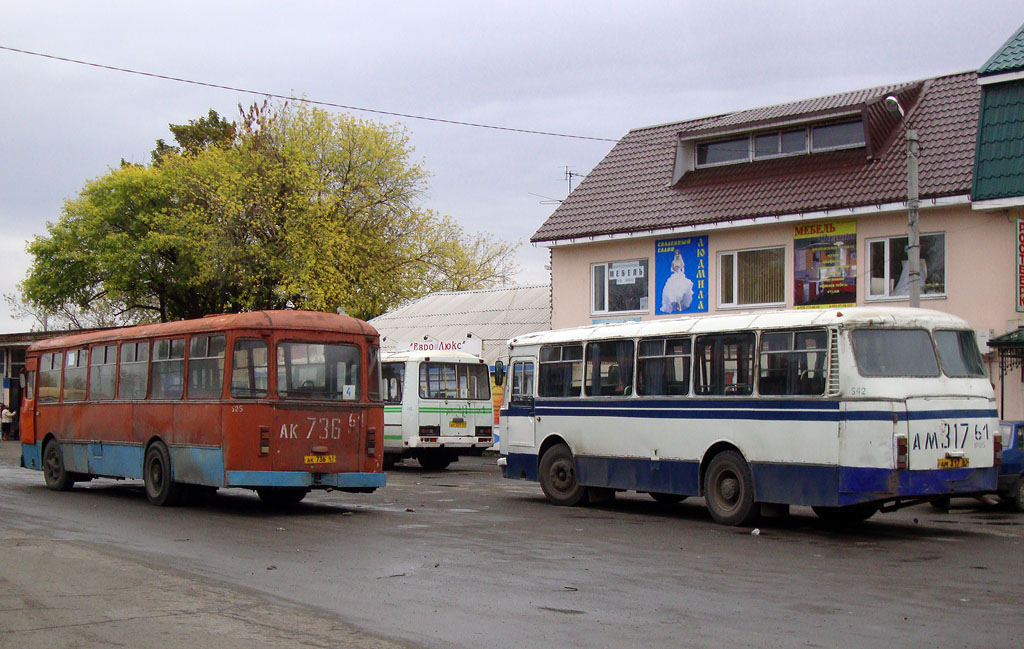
[913, 228]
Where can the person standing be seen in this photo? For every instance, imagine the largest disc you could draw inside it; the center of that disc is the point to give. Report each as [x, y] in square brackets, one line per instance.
[6, 418]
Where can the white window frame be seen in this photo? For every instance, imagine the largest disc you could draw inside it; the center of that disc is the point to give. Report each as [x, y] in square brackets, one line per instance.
[735, 279]
[900, 297]
[606, 264]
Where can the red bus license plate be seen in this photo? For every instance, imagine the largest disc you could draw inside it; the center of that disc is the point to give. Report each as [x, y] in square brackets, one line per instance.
[321, 459]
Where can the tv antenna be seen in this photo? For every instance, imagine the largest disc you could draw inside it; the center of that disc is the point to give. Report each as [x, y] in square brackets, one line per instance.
[569, 175]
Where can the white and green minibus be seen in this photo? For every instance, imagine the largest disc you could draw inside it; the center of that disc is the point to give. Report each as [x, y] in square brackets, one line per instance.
[437, 407]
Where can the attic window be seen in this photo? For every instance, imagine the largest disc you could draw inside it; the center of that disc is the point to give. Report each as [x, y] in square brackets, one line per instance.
[772, 144]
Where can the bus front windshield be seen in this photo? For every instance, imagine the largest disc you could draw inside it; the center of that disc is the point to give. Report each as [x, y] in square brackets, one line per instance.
[318, 371]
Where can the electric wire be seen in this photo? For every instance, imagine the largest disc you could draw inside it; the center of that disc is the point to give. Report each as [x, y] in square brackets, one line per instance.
[329, 104]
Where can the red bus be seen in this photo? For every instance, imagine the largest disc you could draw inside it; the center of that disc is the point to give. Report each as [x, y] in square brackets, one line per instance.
[201, 404]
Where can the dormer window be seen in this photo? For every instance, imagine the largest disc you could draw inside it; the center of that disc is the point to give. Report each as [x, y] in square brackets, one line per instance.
[782, 142]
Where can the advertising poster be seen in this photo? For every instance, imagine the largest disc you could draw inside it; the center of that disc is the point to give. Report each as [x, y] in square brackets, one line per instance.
[825, 267]
[1020, 265]
[681, 275]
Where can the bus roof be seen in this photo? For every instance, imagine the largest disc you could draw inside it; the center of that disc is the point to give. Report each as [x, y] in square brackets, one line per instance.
[432, 355]
[294, 320]
[842, 316]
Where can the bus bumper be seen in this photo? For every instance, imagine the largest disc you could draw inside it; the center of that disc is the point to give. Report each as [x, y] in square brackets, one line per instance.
[254, 479]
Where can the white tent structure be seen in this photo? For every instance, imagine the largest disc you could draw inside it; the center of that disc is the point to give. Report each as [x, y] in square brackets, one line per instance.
[491, 316]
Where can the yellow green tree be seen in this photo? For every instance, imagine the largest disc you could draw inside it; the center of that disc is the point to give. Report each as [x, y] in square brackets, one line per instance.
[291, 207]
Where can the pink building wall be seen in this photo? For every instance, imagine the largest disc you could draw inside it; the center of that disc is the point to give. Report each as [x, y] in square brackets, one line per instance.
[980, 275]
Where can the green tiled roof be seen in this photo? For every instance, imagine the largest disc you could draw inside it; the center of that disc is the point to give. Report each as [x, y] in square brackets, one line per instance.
[999, 156]
[1013, 338]
[1008, 58]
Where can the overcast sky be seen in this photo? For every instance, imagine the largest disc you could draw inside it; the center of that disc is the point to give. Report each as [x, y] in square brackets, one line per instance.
[585, 68]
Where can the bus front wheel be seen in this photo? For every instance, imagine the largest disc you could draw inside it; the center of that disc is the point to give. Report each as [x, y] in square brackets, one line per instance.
[729, 490]
[558, 477]
[161, 490]
[55, 473]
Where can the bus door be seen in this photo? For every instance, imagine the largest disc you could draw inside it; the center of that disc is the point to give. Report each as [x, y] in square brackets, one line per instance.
[27, 414]
[519, 427]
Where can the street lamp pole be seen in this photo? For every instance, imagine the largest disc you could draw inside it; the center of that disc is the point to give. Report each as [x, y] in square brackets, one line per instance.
[913, 226]
[913, 204]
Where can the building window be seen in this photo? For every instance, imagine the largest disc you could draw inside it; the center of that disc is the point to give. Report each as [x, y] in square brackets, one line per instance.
[771, 144]
[752, 277]
[887, 259]
[619, 286]
[837, 136]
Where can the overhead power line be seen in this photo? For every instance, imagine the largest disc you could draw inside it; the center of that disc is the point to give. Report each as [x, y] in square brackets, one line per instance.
[273, 95]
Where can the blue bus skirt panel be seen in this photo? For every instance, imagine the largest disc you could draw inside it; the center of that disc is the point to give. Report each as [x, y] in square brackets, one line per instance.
[201, 465]
[254, 479]
[795, 484]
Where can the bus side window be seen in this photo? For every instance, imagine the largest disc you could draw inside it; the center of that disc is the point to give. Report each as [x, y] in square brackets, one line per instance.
[102, 372]
[167, 371]
[133, 371]
[725, 364]
[609, 368]
[394, 376]
[50, 366]
[522, 381]
[249, 362]
[29, 385]
[76, 375]
[792, 363]
[561, 370]
[206, 367]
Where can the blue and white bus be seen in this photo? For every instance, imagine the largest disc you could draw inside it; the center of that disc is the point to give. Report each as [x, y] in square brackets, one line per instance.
[847, 411]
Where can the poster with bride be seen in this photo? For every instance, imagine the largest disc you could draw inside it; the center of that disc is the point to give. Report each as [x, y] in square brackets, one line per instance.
[681, 275]
[825, 267]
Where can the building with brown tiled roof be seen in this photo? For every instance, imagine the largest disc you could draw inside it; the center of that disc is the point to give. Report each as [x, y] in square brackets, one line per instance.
[798, 205]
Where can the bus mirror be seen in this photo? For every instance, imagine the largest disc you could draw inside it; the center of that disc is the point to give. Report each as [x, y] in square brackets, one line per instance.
[499, 373]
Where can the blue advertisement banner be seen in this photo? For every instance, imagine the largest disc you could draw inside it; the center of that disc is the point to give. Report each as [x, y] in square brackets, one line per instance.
[681, 275]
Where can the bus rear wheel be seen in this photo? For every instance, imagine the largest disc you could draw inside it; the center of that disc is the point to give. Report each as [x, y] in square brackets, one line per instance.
[55, 473]
[436, 461]
[558, 477]
[161, 490]
[729, 490]
[281, 496]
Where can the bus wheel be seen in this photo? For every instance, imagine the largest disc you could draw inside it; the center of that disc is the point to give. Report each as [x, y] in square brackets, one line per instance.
[161, 490]
[558, 477]
[282, 496]
[56, 475]
[846, 515]
[434, 461]
[729, 490]
[667, 499]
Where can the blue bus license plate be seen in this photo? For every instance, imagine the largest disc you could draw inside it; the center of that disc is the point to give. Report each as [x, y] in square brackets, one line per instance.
[954, 462]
